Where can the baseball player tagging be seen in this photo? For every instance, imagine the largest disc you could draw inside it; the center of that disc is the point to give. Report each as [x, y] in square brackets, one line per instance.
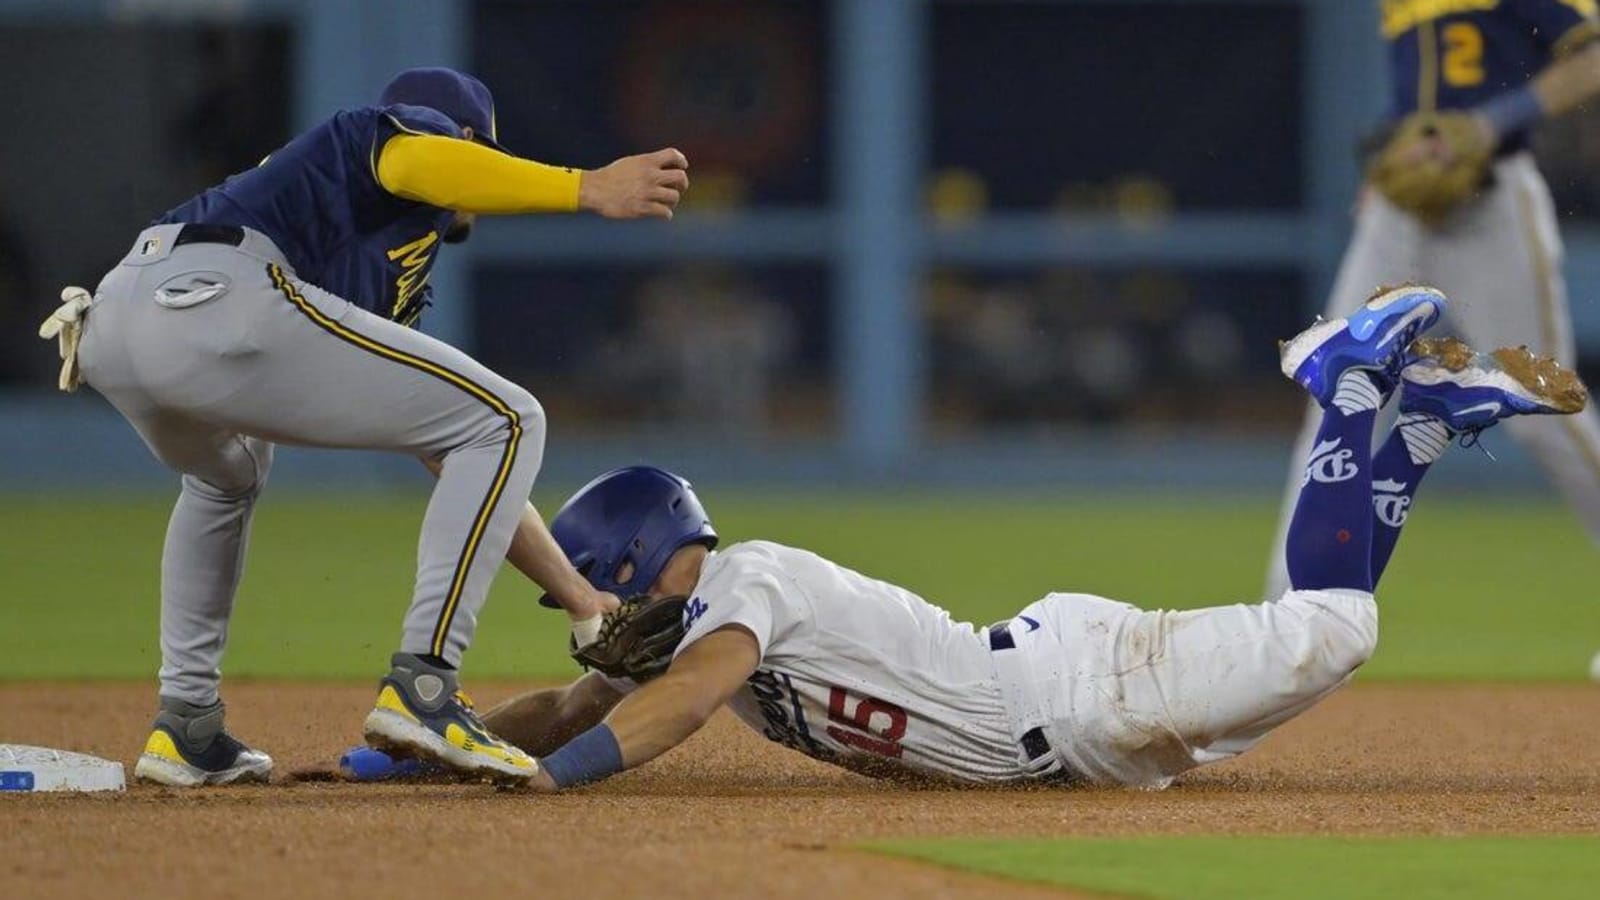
[274, 308]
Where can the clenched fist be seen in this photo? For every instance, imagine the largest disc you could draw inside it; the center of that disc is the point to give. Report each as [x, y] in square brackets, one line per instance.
[636, 187]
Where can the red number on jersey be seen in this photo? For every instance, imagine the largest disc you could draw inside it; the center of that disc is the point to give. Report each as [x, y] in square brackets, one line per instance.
[875, 726]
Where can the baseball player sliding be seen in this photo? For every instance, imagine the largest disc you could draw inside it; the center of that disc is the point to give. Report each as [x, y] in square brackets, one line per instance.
[274, 308]
[1072, 689]
[1455, 200]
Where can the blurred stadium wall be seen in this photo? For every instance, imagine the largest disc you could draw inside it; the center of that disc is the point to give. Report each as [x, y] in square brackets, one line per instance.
[929, 241]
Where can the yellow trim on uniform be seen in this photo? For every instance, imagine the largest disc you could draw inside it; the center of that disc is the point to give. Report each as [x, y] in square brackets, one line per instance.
[507, 458]
[1549, 330]
[1427, 68]
[1400, 16]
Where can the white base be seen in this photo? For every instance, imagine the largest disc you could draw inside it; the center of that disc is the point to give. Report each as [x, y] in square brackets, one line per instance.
[25, 769]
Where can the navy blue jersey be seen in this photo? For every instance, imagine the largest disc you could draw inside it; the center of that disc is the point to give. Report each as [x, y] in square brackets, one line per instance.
[318, 198]
[1454, 54]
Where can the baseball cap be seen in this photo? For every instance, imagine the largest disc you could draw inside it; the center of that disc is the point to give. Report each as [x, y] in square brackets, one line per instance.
[465, 99]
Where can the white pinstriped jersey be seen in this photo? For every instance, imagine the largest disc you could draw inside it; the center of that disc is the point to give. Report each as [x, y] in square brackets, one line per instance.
[855, 671]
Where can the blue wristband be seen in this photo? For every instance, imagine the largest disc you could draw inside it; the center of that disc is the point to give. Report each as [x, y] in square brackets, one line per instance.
[1512, 111]
[591, 756]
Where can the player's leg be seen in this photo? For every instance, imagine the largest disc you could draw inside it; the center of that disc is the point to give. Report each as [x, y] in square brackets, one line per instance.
[1384, 249]
[422, 397]
[1202, 685]
[222, 474]
[1412, 446]
[202, 562]
[287, 362]
[1449, 390]
[1349, 366]
[1511, 247]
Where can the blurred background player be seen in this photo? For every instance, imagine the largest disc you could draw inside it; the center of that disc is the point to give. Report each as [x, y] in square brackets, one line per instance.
[1454, 199]
[276, 308]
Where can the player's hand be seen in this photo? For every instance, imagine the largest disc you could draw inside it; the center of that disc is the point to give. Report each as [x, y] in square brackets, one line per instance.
[647, 186]
[586, 625]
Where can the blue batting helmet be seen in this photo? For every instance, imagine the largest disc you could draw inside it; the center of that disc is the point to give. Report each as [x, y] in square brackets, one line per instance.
[639, 515]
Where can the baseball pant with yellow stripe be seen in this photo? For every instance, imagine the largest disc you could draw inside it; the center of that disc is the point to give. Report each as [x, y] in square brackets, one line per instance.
[214, 353]
[1498, 259]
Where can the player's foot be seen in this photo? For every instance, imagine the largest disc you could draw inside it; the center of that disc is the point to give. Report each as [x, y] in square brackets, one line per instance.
[422, 713]
[188, 747]
[1469, 391]
[1373, 340]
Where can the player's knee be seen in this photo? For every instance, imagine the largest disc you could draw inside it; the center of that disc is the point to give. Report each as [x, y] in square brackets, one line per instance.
[1340, 634]
[237, 473]
[1348, 632]
[529, 417]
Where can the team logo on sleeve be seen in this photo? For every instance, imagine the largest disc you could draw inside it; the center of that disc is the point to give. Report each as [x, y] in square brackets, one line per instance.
[692, 611]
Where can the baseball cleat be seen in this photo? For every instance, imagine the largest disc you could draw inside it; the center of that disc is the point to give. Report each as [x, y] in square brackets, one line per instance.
[1469, 391]
[422, 714]
[189, 748]
[1373, 339]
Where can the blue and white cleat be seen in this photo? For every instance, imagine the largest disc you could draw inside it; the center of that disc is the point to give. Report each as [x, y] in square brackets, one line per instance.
[1469, 391]
[1373, 339]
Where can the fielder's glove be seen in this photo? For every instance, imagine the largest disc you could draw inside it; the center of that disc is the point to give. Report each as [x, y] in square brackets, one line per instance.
[637, 639]
[1434, 162]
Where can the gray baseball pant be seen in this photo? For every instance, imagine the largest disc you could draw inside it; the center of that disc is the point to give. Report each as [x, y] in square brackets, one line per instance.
[1499, 262]
[214, 353]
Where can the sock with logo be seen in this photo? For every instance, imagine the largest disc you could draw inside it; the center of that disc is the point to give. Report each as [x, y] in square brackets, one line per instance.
[1330, 536]
[1414, 444]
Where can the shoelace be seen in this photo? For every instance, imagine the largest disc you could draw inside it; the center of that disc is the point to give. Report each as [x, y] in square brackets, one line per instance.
[470, 711]
[1473, 437]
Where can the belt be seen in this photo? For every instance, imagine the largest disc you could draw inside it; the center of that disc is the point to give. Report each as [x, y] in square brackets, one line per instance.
[1034, 742]
[194, 233]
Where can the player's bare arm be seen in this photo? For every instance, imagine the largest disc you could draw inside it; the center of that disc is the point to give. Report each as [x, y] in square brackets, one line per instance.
[541, 721]
[1563, 86]
[458, 174]
[1569, 82]
[660, 715]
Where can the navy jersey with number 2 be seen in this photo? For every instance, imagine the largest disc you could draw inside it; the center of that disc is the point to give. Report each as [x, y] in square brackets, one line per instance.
[1455, 54]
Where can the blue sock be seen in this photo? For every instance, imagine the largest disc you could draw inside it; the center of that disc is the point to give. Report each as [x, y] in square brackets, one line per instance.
[1330, 535]
[1413, 445]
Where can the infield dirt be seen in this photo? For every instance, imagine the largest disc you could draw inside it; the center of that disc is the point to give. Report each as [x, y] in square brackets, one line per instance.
[728, 810]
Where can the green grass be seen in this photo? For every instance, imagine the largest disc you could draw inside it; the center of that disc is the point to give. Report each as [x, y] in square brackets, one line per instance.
[1486, 592]
[1286, 867]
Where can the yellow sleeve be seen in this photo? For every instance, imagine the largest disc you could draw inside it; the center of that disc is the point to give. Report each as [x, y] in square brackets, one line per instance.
[456, 174]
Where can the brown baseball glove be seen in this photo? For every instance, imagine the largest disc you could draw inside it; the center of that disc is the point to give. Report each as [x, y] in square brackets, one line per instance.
[1433, 162]
[637, 639]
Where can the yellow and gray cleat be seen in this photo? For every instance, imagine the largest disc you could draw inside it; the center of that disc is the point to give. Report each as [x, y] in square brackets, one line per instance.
[188, 747]
[422, 713]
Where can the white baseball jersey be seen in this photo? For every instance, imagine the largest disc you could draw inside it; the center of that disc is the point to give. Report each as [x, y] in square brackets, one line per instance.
[855, 671]
[871, 677]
